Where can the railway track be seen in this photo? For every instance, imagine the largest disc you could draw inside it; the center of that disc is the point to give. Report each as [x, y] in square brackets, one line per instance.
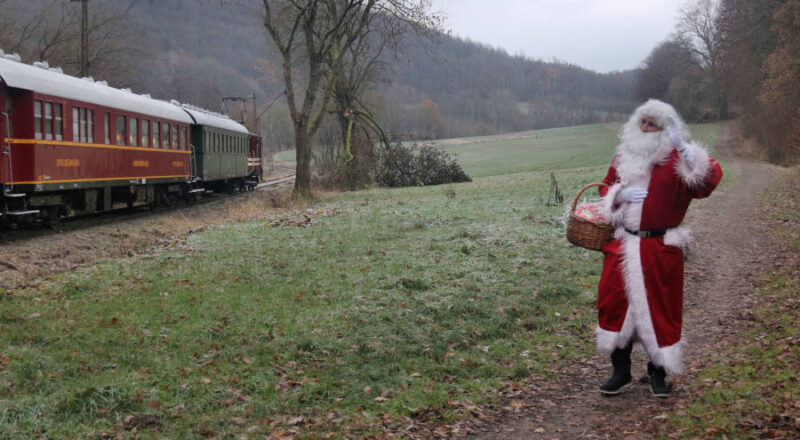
[124, 214]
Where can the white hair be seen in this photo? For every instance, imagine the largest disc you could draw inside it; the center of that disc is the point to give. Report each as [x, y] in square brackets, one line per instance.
[638, 150]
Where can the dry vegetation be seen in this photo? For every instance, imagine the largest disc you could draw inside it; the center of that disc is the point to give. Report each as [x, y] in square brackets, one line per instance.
[54, 251]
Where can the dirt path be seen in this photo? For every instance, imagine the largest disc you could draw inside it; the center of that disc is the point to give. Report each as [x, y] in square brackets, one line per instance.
[728, 253]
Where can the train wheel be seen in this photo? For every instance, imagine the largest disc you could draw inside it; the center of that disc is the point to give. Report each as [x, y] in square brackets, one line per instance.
[52, 216]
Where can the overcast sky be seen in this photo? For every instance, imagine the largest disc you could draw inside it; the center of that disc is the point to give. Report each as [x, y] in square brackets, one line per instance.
[602, 35]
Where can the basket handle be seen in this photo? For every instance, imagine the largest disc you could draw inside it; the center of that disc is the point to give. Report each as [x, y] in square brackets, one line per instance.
[575, 202]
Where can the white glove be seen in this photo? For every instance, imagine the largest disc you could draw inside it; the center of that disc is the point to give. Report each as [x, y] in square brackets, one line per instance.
[632, 194]
[674, 133]
[676, 138]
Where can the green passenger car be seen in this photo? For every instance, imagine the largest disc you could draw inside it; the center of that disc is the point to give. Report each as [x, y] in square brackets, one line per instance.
[220, 149]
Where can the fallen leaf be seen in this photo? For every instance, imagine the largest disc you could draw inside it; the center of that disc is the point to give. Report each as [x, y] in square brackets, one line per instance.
[518, 404]
[295, 421]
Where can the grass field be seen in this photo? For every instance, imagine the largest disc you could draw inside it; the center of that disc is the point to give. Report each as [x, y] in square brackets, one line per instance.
[541, 150]
[393, 307]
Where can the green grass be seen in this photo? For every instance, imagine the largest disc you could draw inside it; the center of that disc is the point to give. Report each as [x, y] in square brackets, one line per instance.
[403, 302]
[408, 296]
[540, 150]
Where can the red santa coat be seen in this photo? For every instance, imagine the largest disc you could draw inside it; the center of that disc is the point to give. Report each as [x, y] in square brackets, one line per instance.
[640, 294]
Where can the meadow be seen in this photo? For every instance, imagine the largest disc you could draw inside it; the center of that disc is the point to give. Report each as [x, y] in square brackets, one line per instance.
[390, 307]
[540, 150]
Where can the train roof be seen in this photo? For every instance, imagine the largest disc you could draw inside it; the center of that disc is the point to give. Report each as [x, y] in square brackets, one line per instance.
[42, 79]
[211, 119]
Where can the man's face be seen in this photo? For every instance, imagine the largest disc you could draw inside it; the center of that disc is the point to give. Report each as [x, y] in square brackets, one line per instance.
[648, 124]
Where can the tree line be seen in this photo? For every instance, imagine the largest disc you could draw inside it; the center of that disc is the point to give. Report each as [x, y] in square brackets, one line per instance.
[734, 58]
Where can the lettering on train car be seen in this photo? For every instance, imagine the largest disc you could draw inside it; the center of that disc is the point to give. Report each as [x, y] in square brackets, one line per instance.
[68, 163]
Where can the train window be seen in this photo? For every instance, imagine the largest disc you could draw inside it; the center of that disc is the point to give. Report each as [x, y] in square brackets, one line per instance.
[90, 125]
[145, 133]
[133, 132]
[48, 120]
[164, 135]
[120, 130]
[75, 122]
[37, 118]
[83, 124]
[182, 138]
[174, 136]
[156, 139]
[107, 125]
[59, 121]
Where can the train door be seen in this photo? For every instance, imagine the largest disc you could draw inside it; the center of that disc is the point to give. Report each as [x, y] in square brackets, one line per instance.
[254, 157]
[5, 135]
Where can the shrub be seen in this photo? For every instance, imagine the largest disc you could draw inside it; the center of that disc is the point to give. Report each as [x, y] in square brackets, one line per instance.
[414, 165]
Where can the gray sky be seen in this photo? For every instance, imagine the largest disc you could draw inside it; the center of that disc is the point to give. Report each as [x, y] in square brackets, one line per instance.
[601, 35]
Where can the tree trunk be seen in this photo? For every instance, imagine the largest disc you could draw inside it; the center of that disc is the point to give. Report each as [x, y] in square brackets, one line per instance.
[302, 179]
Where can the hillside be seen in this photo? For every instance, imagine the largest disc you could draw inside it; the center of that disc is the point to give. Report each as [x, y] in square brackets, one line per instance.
[200, 51]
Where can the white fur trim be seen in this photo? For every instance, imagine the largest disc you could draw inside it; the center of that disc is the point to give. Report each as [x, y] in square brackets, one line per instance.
[670, 358]
[696, 172]
[680, 237]
[639, 310]
[607, 341]
[609, 208]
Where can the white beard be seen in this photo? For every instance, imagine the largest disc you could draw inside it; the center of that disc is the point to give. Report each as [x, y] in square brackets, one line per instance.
[640, 151]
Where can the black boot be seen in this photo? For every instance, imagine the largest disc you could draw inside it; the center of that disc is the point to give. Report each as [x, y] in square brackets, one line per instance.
[657, 383]
[621, 360]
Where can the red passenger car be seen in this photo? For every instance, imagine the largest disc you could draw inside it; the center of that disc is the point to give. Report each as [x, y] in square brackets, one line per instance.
[72, 145]
[254, 167]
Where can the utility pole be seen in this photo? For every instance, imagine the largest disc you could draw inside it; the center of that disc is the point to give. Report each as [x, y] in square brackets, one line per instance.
[243, 101]
[84, 36]
[255, 115]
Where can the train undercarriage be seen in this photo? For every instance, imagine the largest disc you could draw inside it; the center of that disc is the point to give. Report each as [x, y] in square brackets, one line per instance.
[21, 208]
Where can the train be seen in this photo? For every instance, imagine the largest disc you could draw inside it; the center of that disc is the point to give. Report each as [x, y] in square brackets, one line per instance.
[75, 146]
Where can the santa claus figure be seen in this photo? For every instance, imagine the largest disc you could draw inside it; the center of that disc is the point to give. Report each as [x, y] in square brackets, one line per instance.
[652, 179]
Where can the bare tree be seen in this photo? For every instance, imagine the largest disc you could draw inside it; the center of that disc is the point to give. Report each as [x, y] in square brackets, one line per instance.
[50, 30]
[697, 31]
[313, 38]
[366, 63]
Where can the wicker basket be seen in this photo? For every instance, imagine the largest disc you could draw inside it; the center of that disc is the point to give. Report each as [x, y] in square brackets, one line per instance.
[585, 233]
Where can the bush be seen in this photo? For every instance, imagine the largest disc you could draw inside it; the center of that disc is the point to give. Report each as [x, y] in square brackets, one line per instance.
[414, 165]
[334, 171]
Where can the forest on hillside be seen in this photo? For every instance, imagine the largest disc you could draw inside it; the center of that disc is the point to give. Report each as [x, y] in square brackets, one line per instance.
[201, 51]
[734, 59]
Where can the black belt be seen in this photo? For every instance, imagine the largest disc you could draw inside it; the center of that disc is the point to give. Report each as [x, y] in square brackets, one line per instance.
[647, 234]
